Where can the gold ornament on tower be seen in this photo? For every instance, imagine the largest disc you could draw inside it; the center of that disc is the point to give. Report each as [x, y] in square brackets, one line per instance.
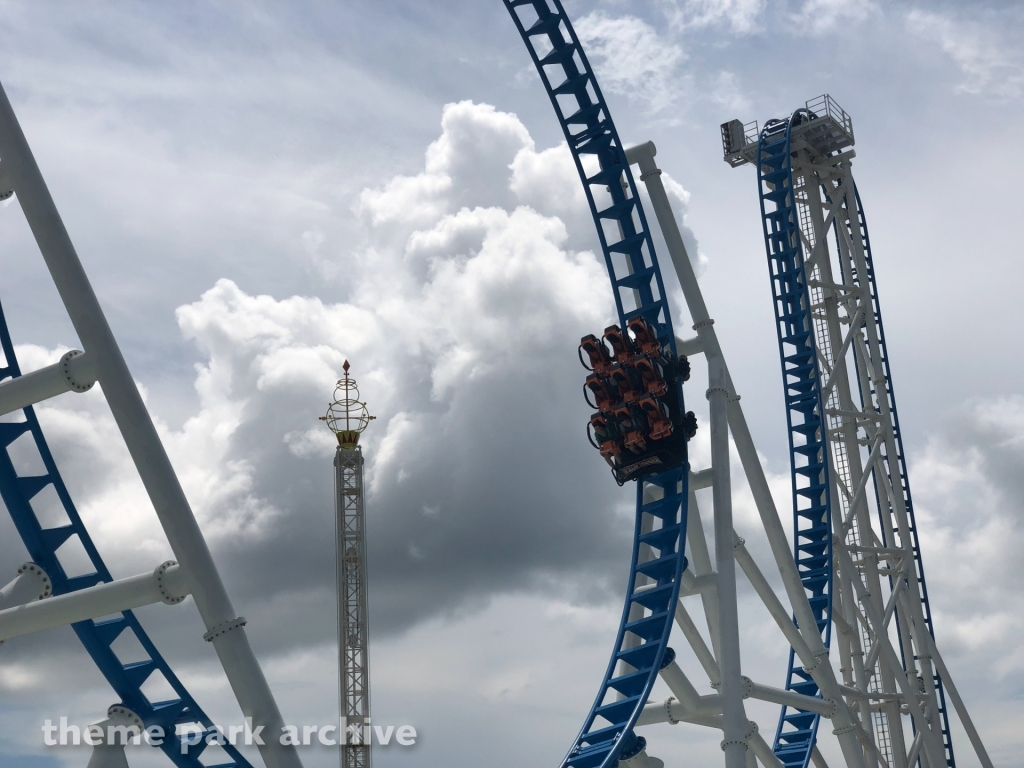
[347, 416]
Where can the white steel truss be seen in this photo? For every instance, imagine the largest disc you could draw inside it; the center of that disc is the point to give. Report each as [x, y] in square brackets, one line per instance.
[869, 697]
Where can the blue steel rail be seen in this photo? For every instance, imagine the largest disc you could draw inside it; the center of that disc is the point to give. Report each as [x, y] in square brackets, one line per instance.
[808, 450]
[98, 637]
[648, 613]
[900, 458]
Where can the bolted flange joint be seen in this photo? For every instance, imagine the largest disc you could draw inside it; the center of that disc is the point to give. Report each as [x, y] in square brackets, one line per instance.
[668, 711]
[748, 686]
[817, 661]
[730, 742]
[632, 750]
[75, 385]
[224, 627]
[723, 390]
[122, 712]
[165, 594]
[45, 585]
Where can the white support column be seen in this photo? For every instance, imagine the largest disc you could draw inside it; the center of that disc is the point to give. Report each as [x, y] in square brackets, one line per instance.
[734, 716]
[172, 508]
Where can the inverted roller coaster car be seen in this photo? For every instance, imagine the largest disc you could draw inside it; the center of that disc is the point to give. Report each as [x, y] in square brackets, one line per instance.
[627, 381]
[646, 338]
[623, 349]
[606, 438]
[605, 394]
[633, 427]
[600, 361]
[651, 377]
[658, 424]
[639, 427]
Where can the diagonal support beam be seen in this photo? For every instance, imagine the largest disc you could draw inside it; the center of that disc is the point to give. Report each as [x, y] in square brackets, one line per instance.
[167, 584]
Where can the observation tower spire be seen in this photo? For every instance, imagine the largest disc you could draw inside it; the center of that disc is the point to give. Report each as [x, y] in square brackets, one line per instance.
[347, 417]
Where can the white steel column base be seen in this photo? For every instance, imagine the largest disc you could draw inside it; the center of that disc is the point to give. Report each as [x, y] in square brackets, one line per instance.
[112, 755]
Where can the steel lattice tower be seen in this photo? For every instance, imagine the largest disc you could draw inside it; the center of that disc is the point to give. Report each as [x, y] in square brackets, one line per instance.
[353, 659]
[347, 417]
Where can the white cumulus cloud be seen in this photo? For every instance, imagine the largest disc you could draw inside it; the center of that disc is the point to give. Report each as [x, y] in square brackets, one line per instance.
[632, 59]
[991, 63]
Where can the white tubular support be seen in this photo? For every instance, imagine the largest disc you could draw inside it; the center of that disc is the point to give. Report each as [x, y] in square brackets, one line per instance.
[774, 605]
[705, 478]
[6, 185]
[700, 648]
[733, 714]
[689, 347]
[31, 583]
[119, 729]
[681, 686]
[824, 707]
[698, 585]
[167, 584]
[140, 436]
[673, 711]
[73, 373]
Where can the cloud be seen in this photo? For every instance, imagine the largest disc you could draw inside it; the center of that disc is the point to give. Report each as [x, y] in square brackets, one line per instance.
[990, 63]
[816, 17]
[968, 494]
[632, 59]
[469, 289]
[462, 327]
[740, 16]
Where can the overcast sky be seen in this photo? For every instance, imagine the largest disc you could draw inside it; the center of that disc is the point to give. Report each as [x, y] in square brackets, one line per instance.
[259, 191]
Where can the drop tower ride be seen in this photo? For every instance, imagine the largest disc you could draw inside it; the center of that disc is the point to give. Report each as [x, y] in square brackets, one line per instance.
[347, 417]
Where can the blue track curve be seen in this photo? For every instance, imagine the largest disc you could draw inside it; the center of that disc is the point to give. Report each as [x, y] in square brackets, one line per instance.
[127, 680]
[632, 266]
[808, 449]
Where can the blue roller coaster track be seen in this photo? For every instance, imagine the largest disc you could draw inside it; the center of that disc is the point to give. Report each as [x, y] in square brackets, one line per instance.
[653, 587]
[808, 449]
[98, 637]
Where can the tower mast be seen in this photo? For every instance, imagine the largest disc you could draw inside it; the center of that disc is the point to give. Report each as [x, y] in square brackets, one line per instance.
[347, 417]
